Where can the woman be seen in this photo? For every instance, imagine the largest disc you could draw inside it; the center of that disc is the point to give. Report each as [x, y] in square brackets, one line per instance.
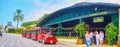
[101, 37]
[91, 37]
[87, 36]
[97, 38]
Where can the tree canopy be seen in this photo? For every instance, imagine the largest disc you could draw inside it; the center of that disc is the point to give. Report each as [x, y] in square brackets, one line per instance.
[24, 24]
[111, 32]
[18, 17]
[80, 29]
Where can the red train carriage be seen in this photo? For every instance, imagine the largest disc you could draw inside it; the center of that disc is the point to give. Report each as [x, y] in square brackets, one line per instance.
[34, 34]
[44, 36]
[28, 34]
[23, 33]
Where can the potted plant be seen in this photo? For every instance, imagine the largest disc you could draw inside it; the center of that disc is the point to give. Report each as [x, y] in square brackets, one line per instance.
[80, 30]
[111, 32]
[118, 42]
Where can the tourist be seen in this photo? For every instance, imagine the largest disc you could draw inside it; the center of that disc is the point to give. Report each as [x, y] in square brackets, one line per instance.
[87, 36]
[97, 38]
[101, 37]
[94, 37]
[91, 37]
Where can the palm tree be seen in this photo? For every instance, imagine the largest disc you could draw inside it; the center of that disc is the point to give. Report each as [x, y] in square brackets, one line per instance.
[18, 17]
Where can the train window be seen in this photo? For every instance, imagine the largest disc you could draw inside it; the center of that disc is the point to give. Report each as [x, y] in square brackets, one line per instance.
[45, 31]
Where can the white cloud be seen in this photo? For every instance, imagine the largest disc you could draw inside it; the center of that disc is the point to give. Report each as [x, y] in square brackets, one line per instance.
[47, 7]
[107, 1]
[50, 6]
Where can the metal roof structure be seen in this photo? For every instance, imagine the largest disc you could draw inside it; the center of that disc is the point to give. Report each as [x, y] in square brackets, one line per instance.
[80, 10]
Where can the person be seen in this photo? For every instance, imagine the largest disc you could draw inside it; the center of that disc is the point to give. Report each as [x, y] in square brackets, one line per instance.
[87, 37]
[101, 37]
[91, 37]
[94, 37]
[97, 38]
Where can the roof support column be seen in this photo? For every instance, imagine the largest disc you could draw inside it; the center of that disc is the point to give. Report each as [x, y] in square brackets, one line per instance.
[115, 19]
[49, 26]
[81, 21]
[119, 26]
[59, 30]
[118, 42]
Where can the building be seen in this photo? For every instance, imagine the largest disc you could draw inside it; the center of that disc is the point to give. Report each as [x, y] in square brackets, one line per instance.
[95, 15]
[2, 28]
[9, 25]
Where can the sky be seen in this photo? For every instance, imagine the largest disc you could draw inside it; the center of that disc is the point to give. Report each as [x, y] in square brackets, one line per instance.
[34, 9]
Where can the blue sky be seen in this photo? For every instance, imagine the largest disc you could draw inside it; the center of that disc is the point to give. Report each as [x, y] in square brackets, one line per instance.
[7, 7]
[34, 9]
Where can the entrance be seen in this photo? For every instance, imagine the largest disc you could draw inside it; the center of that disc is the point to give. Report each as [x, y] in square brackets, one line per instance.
[98, 22]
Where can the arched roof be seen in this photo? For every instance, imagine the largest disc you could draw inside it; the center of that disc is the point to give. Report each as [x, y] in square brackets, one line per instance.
[83, 6]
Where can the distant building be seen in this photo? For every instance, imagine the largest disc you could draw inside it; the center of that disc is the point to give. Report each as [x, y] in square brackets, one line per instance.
[1, 28]
[9, 25]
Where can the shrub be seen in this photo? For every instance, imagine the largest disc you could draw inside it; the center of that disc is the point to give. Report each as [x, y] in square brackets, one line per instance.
[111, 32]
[20, 30]
[11, 30]
[80, 29]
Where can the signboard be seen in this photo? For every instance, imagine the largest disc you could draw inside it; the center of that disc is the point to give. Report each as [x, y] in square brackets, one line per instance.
[99, 13]
[98, 19]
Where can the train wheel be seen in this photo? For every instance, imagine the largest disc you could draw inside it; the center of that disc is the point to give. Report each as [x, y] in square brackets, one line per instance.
[53, 43]
[38, 40]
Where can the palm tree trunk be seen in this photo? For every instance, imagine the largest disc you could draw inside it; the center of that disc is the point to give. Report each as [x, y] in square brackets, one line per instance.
[17, 25]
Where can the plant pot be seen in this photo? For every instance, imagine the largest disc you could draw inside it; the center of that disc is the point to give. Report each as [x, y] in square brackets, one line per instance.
[105, 42]
[79, 41]
[118, 43]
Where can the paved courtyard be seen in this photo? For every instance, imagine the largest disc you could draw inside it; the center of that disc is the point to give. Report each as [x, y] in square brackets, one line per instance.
[15, 40]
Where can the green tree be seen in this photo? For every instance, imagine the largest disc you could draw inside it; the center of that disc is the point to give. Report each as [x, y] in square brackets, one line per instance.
[18, 17]
[20, 30]
[24, 24]
[111, 32]
[28, 27]
[40, 19]
[11, 30]
[80, 29]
